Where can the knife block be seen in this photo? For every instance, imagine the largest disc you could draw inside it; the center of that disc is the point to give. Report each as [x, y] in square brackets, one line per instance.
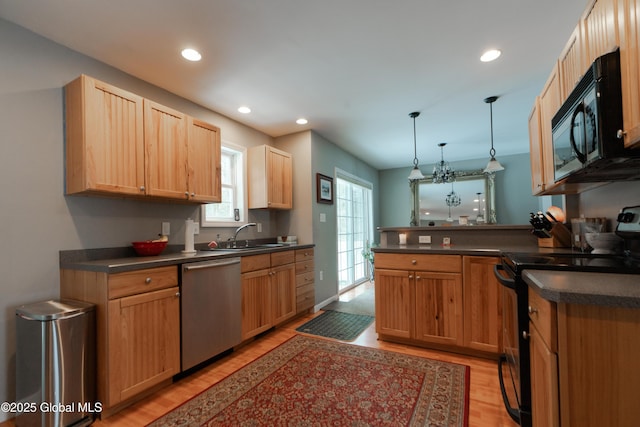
[560, 237]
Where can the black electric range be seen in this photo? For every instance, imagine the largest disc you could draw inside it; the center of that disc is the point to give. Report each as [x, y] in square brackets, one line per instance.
[574, 261]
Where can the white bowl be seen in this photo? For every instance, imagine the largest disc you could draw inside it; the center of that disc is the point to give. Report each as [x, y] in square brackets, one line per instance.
[603, 243]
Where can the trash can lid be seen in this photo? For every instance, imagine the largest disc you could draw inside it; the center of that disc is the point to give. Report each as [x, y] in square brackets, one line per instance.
[53, 309]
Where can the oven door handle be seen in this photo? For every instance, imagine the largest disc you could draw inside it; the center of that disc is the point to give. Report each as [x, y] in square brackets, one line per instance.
[504, 281]
[513, 412]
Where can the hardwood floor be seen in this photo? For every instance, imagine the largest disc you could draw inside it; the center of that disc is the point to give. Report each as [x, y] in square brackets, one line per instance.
[485, 402]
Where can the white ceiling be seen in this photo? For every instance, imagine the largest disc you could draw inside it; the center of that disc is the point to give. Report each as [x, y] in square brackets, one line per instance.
[354, 68]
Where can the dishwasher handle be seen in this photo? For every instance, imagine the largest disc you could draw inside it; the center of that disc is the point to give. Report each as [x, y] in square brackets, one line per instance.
[210, 264]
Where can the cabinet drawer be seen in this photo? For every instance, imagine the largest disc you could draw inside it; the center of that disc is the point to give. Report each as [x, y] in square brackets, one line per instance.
[304, 254]
[255, 262]
[304, 301]
[422, 262]
[304, 266]
[305, 288]
[303, 279]
[281, 258]
[544, 316]
[139, 281]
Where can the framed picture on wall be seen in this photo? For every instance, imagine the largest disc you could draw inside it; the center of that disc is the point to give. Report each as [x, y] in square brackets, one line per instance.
[324, 187]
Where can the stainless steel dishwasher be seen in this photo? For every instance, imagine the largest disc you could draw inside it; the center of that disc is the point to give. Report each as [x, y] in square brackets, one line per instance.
[211, 311]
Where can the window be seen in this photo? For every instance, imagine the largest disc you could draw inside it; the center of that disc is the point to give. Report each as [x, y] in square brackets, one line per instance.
[354, 215]
[233, 208]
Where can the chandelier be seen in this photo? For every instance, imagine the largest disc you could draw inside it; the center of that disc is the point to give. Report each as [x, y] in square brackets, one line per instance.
[493, 165]
[452, 199]
[415, 174]
[443, 172]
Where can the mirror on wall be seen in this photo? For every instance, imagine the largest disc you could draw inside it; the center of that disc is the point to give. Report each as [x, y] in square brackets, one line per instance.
[471, 196]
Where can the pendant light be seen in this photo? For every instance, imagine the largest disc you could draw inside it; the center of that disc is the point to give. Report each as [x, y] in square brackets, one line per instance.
[452, 199]
[443, 172]
[493, 165]
[415, 174]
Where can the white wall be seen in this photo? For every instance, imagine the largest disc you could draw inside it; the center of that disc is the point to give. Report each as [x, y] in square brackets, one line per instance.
[37, 219]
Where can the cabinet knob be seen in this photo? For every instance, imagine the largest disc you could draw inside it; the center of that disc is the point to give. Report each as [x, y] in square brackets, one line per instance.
[417, 277]
[186, 193]
[411, 276]
[620, 134]
[193, 194]
[142, 188]
[147, 280]
[532, 310]
[414, 262]
[525, 335]
[177, 294]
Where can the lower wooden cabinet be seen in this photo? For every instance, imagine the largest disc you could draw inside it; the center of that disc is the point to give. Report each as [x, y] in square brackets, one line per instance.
[268, 291]
[448, 300]
[138, 328]
[305, 280]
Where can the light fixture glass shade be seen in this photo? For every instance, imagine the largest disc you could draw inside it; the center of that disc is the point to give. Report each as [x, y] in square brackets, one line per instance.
[415, 174]
[493, 166]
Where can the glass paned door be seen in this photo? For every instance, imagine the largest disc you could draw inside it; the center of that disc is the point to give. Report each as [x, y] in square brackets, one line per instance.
[354, 210]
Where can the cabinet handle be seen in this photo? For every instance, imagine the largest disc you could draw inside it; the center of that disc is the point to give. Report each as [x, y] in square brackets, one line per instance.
[147, 280]
[414, 262]
[532, 310]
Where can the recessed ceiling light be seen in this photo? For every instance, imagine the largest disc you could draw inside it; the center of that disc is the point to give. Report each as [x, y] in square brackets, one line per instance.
[302, 121]
[244, 109]
[490, 55]
[191, 55]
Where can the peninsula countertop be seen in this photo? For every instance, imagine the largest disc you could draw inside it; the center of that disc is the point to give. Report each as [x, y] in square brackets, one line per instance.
[465, 249]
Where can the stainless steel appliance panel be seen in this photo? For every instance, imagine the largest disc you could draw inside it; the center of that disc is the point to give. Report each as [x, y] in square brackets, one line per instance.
[211, 309]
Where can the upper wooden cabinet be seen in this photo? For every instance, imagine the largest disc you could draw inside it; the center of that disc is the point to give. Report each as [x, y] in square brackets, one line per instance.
[572, 63]
[599, 29]
[104, 139]
[118, 143]
[270, 178]
[535, 149]
[629, 34]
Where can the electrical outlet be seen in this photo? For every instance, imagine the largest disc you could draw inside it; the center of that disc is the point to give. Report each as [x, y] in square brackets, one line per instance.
[321, 275]
[424, 239]
[196, 228]
[259, 227]
[323, 217]
[446, 241]
[166, 228]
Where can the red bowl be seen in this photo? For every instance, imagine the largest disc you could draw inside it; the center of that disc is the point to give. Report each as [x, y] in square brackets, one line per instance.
[149, 248]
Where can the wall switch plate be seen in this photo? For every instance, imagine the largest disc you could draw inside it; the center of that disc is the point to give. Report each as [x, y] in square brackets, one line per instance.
[259, 227]
[166, 228]
[321, 275]
[424, 239]
[446, 241]
[323, 217]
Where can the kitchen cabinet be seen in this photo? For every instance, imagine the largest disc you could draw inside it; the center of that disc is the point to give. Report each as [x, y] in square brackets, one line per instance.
[482, 304]
[629, 36]
[535, 149]
[119, 144]
[270, 178]
[599, 29]
[419, 297]
[268, 291]
[305, 280]
[572, 64]
[543, 349]
[550, 102]
[138, 329]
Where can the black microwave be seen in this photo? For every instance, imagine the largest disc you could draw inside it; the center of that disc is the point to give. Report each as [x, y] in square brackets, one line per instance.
[586, 130]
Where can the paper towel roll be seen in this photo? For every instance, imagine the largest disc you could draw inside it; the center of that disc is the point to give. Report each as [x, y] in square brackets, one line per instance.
[188, 237]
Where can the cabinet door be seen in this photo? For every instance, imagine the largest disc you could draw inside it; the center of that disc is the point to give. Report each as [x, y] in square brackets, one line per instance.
[550, 102]
[438, 308]
[572, 63]
[600, 30]
[256, 303]
[544, 381]
[279, 179]
[204, 162]
[104, 138]
[165, 137]
[144, 342]
[482, 304]
[283, 284]
[393, 303]
[535, 148]
[629, 32]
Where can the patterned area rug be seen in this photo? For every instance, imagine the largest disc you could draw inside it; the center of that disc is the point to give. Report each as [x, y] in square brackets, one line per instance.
[315, 382]
[337, 325]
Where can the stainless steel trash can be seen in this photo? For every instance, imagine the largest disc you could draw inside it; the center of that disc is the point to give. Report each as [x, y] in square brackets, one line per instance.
[55, 364]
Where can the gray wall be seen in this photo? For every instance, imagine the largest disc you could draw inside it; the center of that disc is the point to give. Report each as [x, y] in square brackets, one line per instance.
[326, 158]
[513, 191]
[606, 201]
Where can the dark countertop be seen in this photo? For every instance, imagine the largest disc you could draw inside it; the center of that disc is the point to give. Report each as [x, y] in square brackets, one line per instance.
[465, 249]
[609, 289]
[76, 261]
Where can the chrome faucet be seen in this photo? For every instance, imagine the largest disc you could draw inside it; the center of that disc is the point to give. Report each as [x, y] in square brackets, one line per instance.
[239, 229]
